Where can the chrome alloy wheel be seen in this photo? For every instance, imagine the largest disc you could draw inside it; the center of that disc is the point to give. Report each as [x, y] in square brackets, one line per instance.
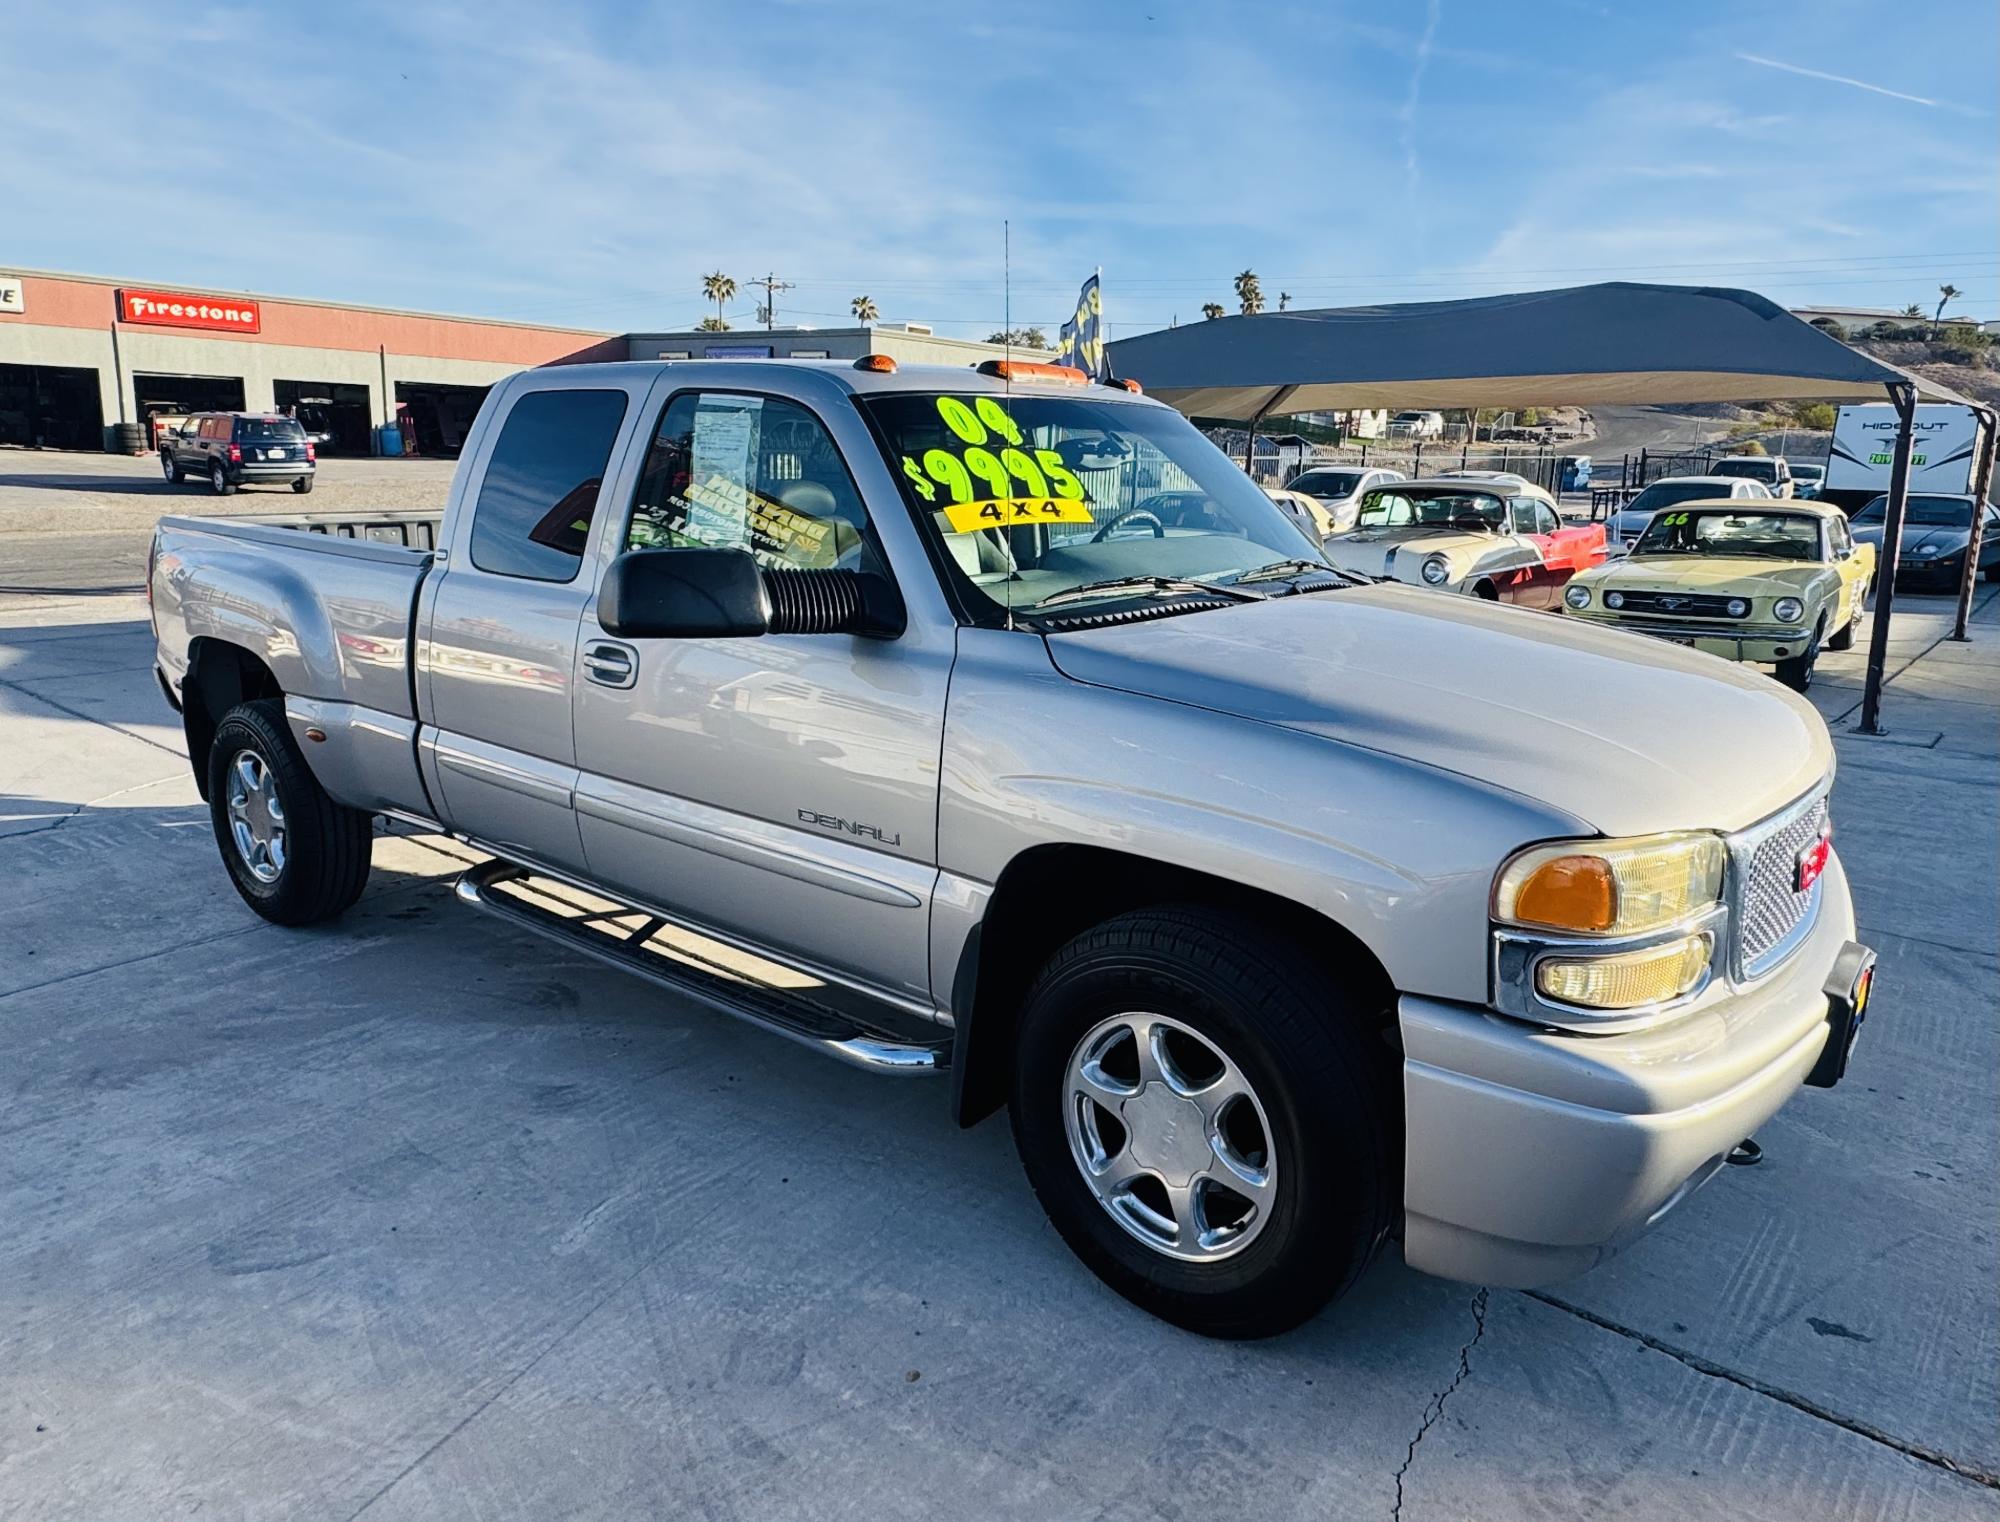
[256, 816]
[1170, 1137]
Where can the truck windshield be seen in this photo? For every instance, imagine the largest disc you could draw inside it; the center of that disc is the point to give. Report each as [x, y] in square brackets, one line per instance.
[1327, 483]
[1073, 500]
[1667, 493]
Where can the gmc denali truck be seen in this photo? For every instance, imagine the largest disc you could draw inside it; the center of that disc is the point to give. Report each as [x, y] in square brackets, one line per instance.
[992, 723]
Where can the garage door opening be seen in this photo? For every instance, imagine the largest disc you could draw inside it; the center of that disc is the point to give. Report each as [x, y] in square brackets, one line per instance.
[50, 407]
[177, 396]
[436, 419]
[334, 416]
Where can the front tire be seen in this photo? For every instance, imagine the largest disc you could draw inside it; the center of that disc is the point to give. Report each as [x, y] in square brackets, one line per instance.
[218, 480]
[170, 468]
[295, 855]
[1208, 1123]
[1797, 673]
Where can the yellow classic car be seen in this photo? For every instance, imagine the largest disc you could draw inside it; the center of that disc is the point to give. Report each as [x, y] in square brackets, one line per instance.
[1753, 581]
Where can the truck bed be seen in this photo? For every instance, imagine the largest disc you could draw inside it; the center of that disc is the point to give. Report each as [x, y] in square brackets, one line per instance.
[325, 600]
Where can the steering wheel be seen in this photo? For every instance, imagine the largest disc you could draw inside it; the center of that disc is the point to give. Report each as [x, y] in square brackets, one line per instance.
[1159, 528]
[1472, 520]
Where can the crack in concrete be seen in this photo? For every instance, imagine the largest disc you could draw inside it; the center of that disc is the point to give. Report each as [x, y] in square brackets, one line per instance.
[1922, 1453]
[91, 718]
[1434, 1408]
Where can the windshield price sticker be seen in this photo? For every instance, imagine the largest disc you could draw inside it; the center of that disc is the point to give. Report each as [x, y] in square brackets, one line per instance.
[988, 448]
[1013, 512]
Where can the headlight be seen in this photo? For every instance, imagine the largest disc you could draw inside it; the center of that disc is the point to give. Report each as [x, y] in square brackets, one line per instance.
[1579, 597]
[1738, 608]
[1788, 610]
[1435, 571]
[1611, 887]
[1628, 980]
[1614, 599]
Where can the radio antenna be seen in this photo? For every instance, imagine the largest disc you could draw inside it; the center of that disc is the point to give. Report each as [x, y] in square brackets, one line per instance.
[1007, 296]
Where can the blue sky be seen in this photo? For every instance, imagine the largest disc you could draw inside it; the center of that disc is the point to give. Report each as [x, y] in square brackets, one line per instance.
[587, 163]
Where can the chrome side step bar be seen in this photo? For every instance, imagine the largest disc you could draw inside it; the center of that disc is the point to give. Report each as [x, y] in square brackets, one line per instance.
[717, 975]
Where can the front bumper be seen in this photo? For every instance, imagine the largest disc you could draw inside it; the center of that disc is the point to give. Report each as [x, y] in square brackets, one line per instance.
[1532, 1155]
[1764, 644]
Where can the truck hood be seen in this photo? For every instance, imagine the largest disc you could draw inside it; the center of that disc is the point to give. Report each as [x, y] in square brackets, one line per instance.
[1630, 735]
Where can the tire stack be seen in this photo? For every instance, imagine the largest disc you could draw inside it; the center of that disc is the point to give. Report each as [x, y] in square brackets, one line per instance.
[128, 438]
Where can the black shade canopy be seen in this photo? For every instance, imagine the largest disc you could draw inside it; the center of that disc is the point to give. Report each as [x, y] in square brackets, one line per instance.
[1605, 344]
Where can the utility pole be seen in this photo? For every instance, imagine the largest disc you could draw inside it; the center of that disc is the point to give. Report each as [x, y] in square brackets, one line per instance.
[772, 285]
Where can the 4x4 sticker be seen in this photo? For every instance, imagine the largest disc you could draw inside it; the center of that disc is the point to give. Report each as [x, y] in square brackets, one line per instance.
[1013, 512]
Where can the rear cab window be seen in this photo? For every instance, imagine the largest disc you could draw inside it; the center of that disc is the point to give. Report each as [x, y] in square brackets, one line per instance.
[540, 488]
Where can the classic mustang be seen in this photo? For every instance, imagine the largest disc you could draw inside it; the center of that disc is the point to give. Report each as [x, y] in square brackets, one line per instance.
[1497, 539]
[1750, 581]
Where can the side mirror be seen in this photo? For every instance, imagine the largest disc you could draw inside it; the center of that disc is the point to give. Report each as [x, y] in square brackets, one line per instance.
[723, 594]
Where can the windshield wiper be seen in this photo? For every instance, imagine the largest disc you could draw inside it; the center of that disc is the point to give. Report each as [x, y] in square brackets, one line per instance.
[1282, 568]
[1141, 584]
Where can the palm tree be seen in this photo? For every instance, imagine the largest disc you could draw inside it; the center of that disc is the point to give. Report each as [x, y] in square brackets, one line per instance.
[864, 309]
[1284, 300]
[1211, 309]
[720, 289]
[1914, 309]
[711, 325]
[1250, 293]
[1946, 292]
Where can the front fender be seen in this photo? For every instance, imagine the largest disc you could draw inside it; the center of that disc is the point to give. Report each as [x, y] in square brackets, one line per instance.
[1399, 854]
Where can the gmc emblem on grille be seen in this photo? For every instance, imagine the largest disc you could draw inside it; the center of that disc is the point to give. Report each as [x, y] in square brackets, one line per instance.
[1810, 862]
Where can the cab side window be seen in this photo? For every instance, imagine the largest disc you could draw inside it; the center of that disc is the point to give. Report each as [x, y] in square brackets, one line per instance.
[731, 471]
[1532, 517]
[1837, 538]
[541, 484]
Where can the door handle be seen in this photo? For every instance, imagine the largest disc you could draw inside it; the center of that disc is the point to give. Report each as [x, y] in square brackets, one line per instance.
[611, 665]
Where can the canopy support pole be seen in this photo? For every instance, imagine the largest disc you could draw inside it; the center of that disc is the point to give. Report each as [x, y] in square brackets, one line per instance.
[1250, 444]
[1903, 397]
[1982, 482]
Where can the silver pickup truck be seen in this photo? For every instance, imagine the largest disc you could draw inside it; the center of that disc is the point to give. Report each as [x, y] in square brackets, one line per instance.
[991, 723]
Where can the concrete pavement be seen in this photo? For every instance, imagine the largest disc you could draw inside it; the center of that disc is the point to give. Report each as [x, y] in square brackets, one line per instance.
[412, 1217]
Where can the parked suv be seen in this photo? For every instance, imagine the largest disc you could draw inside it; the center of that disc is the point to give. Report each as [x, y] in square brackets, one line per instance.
[1773, 471]
[229, 449]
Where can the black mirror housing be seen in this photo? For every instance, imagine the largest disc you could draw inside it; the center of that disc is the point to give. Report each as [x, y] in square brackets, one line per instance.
[722, 594]
[684, 594]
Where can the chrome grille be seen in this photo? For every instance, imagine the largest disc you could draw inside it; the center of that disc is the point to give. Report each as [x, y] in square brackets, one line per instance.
[1771, 918]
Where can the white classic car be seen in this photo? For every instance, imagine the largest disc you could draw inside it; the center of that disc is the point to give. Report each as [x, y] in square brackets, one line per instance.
[1497, 539]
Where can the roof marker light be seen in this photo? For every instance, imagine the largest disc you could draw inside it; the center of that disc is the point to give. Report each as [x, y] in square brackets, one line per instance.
[1023, 370]
[879, 364]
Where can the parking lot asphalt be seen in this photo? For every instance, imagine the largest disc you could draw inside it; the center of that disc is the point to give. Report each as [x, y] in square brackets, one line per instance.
[411, 1216]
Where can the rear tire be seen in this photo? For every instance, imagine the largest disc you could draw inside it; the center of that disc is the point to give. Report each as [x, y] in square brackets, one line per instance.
[303, 485]
[1243, 1013]
[218, 480]
[295, 855]
[1797, 673]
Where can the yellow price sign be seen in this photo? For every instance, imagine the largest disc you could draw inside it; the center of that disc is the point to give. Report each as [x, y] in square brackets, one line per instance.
[1013, 512]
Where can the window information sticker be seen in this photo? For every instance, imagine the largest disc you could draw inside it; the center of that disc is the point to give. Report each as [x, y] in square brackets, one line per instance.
[1013, 512]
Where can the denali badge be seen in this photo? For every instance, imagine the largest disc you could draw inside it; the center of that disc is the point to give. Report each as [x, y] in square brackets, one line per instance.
[849, 827]
[1811, 862]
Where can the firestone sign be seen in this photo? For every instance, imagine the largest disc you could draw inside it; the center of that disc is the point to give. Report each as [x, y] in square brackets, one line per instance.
[164, 309]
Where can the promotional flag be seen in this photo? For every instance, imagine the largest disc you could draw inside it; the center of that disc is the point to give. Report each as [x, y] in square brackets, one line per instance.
[1081, 342]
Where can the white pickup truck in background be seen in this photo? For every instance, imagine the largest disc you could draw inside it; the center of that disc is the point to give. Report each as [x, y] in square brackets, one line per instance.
[995, 723]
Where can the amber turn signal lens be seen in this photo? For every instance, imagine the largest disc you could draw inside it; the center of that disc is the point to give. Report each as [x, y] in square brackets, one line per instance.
[1569, 893]
[881, 364]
